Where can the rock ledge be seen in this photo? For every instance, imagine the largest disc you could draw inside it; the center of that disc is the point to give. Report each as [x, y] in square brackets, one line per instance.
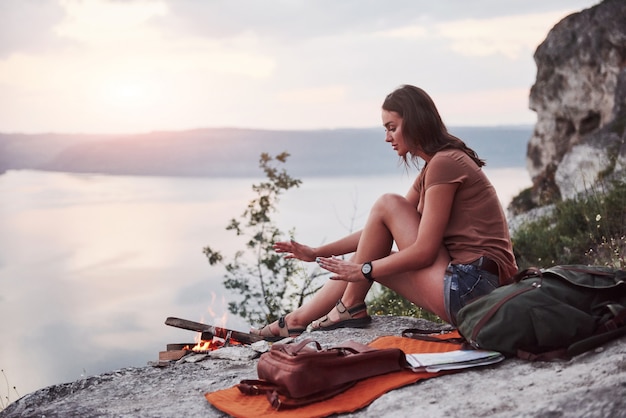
[590, 385]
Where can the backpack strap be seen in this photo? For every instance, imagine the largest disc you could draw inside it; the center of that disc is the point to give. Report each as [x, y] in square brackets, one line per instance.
[354, 347]
[608, 330]
[561, 353]
[253, 387]
[279, 400]
[294, 349]
[428, 335]
[618, 319]
[526, 273]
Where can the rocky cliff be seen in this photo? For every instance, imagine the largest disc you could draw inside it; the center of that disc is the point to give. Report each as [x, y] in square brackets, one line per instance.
[591, 385]
[580, 99]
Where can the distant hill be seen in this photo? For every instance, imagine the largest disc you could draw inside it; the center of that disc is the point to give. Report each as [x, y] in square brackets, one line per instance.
[235, 152]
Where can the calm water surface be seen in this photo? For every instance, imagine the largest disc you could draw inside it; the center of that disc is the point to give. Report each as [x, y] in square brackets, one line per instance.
[91, 265]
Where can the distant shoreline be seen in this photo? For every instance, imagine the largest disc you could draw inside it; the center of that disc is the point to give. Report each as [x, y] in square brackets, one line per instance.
[235, 152]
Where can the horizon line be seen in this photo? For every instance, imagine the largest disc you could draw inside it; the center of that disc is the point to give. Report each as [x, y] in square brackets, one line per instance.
[221, 128]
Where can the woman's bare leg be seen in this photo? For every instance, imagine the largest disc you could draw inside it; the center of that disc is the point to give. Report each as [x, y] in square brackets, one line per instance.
[320, 303]
[422, 287]
[392, 218]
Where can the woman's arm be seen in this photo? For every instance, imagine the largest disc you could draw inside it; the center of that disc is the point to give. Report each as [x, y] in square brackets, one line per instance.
[420, 254]
[413, 196]
[345, 245]
[423, 252]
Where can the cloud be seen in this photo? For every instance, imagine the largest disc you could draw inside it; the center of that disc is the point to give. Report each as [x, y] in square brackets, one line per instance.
[27, 26]
[297, 20]
[122, 34]
[101, 22]
[511, 36]
[133, 66]
[503, 104]
[325, 94]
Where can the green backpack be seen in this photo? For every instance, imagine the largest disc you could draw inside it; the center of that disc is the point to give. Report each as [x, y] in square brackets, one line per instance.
[557, 312]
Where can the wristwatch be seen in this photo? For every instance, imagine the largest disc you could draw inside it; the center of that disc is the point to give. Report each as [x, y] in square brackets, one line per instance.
[366, 269]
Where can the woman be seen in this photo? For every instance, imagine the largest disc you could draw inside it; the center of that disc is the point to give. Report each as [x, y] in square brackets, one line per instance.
[450, 230]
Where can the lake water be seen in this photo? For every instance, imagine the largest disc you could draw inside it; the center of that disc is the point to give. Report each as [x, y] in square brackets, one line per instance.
[91, 265]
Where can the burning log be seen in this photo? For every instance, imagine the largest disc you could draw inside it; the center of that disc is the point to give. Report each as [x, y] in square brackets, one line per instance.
[171, 355]
[210, 339]
[205, 329]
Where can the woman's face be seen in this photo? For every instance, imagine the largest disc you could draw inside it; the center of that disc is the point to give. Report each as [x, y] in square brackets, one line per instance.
[393, 132]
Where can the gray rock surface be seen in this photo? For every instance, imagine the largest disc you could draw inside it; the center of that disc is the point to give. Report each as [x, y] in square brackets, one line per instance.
[590, 385]
[579, 96]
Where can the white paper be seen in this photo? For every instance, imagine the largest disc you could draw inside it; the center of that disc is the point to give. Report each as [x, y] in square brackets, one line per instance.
[451, 360]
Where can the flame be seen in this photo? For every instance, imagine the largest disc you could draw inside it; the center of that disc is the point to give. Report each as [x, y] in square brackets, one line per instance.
[216, 342]
[210, 345]
[205, 345]
[221, 321]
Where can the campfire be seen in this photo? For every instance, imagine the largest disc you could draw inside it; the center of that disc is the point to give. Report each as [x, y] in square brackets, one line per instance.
[204, 346]
[208, 338]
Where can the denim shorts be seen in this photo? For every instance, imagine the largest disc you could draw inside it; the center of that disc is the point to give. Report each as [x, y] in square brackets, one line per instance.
[462, 284]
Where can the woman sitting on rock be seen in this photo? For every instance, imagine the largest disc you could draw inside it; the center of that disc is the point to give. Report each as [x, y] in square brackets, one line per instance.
[450, 230]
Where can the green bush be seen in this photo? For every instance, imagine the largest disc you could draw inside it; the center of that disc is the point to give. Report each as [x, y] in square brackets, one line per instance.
[387, 302]
[585, 230]
[265, 282]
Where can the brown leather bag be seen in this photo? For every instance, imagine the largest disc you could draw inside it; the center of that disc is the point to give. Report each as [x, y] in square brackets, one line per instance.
[293, 375]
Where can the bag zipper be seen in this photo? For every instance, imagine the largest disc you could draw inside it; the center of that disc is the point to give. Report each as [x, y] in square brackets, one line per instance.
[491, 312]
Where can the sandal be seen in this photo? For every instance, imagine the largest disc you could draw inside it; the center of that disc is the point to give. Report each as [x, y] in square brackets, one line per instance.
[283, 331]
[346, 318]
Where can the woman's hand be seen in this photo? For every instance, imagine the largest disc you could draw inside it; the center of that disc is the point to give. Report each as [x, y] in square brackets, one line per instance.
[296, 250]
[342, 269]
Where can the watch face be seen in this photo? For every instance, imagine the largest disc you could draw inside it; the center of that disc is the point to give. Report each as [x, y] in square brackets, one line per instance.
[366, 269]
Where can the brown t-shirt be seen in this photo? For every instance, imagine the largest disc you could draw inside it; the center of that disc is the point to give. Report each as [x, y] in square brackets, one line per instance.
[477, 225]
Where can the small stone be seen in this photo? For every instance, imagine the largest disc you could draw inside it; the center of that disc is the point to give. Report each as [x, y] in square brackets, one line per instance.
[234, 353]
[194, 358]
[260, 346]
[159, 363]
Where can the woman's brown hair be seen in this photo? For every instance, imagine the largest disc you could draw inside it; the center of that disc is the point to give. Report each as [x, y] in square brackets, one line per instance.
[422, 126]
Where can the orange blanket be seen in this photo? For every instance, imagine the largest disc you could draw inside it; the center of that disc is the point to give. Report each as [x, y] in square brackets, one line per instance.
[233, 402]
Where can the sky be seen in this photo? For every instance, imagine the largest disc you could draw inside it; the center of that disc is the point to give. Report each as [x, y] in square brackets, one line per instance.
[136, 66]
